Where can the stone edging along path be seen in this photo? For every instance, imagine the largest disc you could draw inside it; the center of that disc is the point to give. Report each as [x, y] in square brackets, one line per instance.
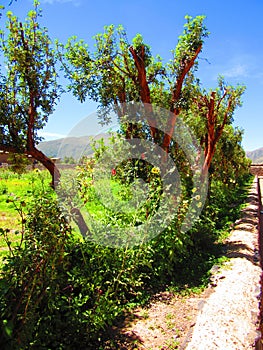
[229, 318]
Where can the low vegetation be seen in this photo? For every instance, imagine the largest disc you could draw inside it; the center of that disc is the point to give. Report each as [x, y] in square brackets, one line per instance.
[60, 291]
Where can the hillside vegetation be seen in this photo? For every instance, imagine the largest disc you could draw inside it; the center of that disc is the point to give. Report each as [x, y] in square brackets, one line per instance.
[74, 147]
[256, 156]
[66, 286]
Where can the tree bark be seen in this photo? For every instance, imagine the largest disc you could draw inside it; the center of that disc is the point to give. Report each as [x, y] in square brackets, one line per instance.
[48, 164]
[175, 110]
[145, 93]
[214, 128]
[40, 157]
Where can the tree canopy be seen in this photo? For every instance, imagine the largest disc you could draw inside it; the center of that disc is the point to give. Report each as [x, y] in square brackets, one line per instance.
[213, 110]
[29, 88]
[119, 71]
[116, 72]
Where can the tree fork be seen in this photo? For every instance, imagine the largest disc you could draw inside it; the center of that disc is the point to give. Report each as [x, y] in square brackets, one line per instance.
[48, 164]
[175, 111]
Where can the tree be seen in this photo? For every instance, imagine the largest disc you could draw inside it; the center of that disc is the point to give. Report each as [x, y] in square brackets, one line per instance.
[69, 160]
[216, 108]
[118, 72]
[230, 163]
[19, 162]
[11, 1]
[28, 88]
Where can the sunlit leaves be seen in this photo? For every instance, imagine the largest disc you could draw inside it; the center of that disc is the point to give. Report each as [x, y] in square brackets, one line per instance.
[108, 75]
[29, 77]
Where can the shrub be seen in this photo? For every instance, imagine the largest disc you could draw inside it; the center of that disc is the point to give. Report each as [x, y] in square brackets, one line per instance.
[59, 291]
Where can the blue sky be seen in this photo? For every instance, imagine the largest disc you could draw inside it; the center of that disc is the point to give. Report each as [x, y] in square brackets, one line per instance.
[234, 48]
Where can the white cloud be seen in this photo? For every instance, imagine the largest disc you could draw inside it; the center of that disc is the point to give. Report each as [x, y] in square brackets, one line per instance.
[51, 135]
[247, 66]
[237, 71]
[51, 2]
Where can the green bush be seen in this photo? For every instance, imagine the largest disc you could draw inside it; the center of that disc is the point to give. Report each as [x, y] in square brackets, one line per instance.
[59, 291]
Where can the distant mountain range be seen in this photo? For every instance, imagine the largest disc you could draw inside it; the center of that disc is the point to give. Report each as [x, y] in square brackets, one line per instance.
[256, 156]
[75, 147]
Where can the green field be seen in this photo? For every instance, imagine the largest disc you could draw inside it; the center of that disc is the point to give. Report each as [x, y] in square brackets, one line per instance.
[15, 192]
[15, 189]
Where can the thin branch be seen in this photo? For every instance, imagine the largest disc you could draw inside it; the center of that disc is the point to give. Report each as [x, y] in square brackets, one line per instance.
[179, 81]
[221, 99]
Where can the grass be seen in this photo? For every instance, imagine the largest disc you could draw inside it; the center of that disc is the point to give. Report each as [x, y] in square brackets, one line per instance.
[15, 191]
[189, 275]
[15, 187]
[13, 237]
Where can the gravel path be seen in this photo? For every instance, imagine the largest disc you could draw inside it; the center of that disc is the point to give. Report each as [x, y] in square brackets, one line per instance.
[225, 316]
[228, 319]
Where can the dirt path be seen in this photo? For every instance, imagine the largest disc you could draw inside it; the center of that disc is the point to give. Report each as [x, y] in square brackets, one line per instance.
[225, 316]
[229, 316]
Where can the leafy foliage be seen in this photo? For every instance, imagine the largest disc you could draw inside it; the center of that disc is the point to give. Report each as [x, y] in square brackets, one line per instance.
[118, 71]
[59, 291]
[31, 74]
[29, 89]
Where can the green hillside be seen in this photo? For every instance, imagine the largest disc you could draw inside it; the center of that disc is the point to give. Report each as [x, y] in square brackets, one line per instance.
[74, 147]
[256, 156]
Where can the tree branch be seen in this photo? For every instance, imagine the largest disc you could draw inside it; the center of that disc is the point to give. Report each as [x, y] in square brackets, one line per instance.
[175, 98]
[144, 88]
[180, 80]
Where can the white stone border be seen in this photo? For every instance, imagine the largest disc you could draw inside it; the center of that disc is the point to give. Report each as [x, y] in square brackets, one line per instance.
[229, 318]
